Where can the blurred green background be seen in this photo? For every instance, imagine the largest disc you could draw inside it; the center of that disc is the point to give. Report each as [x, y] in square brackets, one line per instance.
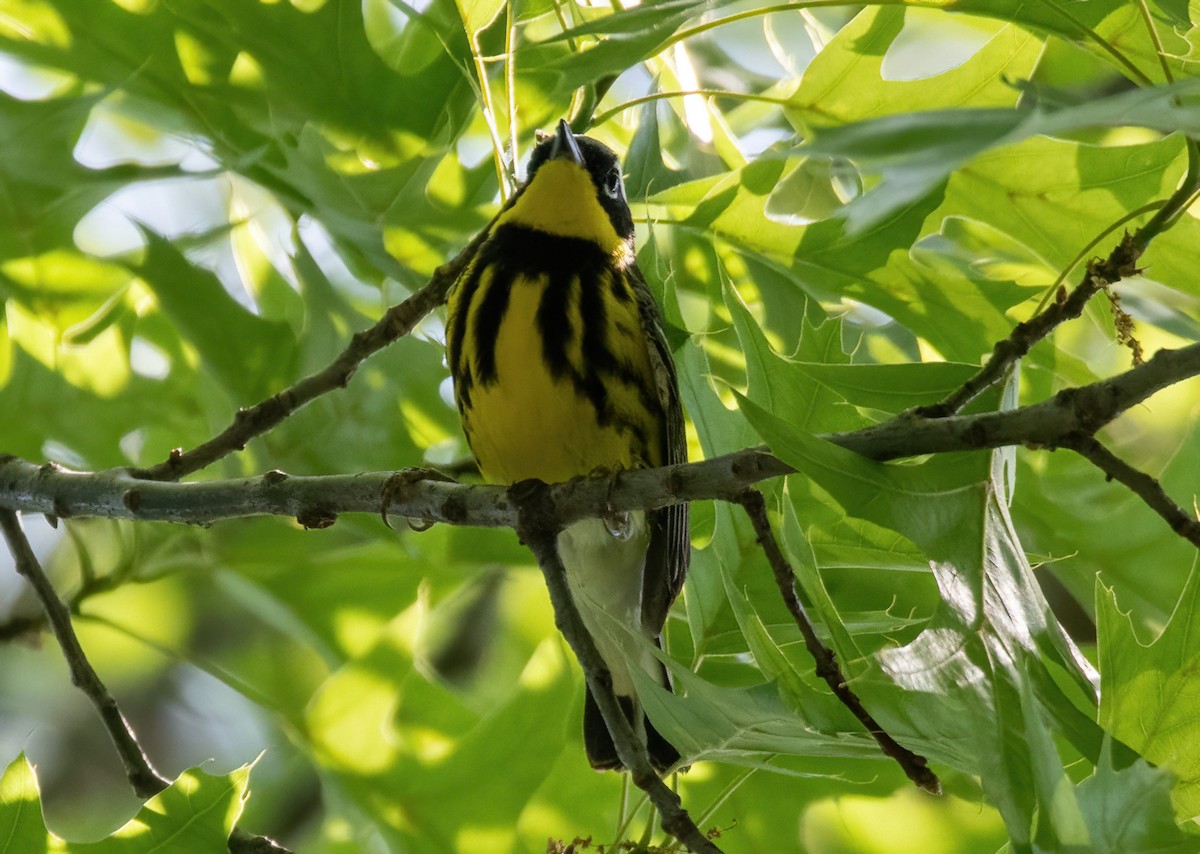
[203, 199]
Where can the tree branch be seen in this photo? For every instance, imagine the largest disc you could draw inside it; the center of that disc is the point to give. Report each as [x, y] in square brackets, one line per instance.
[1070, 412]
[1119, 264]
[1069, 419]
[915, 767]
[143, 778]
[146, 782]
[316, 501]
[538, 527]
[1143, 485]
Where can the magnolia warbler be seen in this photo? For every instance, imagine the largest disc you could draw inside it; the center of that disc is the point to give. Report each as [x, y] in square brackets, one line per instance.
[561, 369]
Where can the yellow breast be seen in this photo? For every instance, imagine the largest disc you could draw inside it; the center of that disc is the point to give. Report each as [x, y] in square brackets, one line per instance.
[525, 417]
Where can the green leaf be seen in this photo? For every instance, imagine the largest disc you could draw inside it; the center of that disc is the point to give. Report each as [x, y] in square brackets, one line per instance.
[387, 736]
[194, 815]
[1061, 825]
[1149, 692]
[808, 579]
[1076, 189]
[845, 82]
[743, 725]
[1111, 29]
[354, 148]
[478, 14]
[633, 34]
[829, 262]
[993, 625]
[816, 189]
[22, 828]
[250, 356]
[822, 392]
[915, 152]
[645, 169]
[390, 666]
[38, 216]
[1130, 809]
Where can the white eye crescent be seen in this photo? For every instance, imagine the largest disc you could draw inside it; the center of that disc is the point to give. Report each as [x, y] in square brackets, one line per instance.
[613, 187]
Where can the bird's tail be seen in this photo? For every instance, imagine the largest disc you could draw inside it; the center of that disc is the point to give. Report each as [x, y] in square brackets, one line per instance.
[602, 753]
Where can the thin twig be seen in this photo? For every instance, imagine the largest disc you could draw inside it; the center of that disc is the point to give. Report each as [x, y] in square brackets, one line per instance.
[1119, 264]
[1143, 485]
[915, 767]
[707, 93]
[143, 778]
[398, 321]
[1092, 244]
[538, 528]
[146, 781]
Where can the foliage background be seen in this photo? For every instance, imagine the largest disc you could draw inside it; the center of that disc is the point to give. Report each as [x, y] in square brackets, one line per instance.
[201, 201]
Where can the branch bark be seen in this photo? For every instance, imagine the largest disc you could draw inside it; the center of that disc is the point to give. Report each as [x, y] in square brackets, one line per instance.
[144, 779]
[1071, 412]
[1070, 419]
[1143, 485]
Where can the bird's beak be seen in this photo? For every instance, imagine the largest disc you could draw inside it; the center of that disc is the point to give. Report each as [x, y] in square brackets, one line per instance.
[564, 144]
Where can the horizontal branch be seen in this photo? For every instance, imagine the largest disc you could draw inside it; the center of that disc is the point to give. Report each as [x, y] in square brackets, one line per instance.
[316, 501]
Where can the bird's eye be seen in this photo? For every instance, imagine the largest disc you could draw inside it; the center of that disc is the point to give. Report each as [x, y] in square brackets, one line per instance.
[613, 187]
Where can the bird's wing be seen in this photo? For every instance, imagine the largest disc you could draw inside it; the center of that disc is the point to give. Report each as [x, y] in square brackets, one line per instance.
[670, 543]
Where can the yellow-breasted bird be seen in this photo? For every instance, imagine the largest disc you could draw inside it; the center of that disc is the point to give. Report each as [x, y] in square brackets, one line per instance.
[561, 369]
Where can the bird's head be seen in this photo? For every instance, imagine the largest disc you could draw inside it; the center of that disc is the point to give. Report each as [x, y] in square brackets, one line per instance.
[574, 189]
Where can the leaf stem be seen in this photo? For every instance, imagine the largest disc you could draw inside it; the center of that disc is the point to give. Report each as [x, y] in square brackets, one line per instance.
[1158, 45]
[489, 115]
[510, 84]
[711, 93]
